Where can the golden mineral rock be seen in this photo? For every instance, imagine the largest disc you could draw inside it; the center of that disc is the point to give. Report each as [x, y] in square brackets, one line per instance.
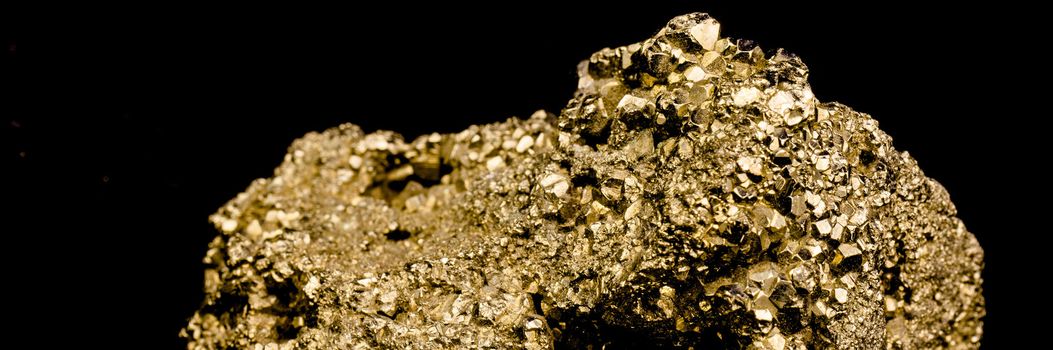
[693, 193]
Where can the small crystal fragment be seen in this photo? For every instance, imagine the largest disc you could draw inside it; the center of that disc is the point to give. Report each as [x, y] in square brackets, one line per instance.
[525, 143]
[763, 315]
[355, 162]
[254, 229]
[555, 184]
[229, 225]
[841, 295]
[745, 96]
[694, 74]
[823, 226]
[495, 162]
[776, 342]
[822, 163]
[848, 250]
[706, 33]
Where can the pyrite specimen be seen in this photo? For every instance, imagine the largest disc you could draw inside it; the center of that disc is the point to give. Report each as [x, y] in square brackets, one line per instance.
[693, 193]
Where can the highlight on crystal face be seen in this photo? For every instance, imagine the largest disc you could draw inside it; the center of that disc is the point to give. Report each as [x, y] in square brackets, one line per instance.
[692, 193]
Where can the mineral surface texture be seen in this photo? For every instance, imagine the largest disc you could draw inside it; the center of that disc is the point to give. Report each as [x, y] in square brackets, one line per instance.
[692, 194]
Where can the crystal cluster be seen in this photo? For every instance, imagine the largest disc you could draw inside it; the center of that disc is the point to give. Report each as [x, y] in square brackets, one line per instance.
[693, 193]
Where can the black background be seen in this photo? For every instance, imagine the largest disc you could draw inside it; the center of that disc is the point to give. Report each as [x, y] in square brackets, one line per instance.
[124, 128]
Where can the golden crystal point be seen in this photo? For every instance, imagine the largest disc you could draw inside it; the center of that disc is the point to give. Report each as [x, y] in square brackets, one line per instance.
[693, 193]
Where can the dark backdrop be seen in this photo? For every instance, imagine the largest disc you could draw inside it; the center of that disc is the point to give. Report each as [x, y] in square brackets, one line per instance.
[124, 128]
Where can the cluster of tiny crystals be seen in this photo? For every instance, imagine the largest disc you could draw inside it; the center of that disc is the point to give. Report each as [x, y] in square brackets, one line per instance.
[694, 193]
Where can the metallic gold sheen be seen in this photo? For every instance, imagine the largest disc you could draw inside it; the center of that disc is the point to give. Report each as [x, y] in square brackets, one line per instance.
[693, 193]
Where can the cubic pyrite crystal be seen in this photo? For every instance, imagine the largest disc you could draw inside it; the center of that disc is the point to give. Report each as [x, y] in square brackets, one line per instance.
[693, 193]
